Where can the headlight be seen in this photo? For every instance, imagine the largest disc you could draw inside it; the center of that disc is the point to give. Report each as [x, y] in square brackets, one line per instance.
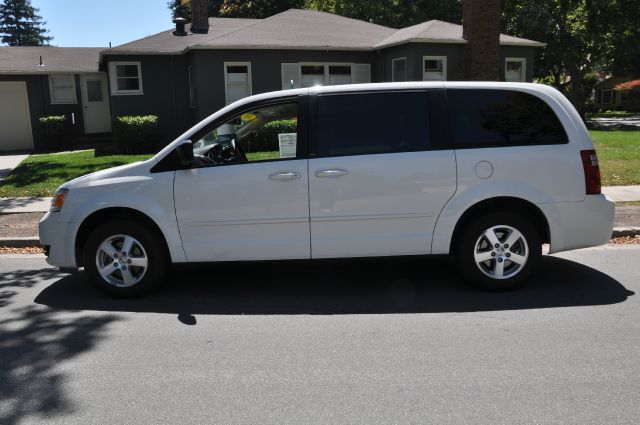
[58, 200]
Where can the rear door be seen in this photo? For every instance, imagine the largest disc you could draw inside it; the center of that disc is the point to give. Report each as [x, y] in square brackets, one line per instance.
[380, 171]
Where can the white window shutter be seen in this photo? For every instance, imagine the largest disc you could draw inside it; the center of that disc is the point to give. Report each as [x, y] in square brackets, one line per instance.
[290, 73]
[361, 73]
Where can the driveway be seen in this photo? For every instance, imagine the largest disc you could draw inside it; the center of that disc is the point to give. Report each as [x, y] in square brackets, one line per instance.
[9, 162]
[358, 342]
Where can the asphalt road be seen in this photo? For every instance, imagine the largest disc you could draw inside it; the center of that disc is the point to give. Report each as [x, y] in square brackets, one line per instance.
[384, 341]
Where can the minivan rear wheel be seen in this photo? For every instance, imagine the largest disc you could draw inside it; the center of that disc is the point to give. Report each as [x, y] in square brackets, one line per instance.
[498, 251]
[125, 258]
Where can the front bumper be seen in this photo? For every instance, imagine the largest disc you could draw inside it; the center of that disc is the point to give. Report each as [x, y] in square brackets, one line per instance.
[575, 225]
[60, 238]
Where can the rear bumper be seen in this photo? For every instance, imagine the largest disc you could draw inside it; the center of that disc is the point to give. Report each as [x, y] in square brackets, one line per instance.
[574, 225]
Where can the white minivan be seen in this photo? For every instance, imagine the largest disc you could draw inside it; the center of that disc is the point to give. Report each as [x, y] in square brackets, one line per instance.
[486, 172]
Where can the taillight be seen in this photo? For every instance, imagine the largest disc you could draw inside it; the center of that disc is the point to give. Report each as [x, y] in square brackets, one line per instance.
[591, 172]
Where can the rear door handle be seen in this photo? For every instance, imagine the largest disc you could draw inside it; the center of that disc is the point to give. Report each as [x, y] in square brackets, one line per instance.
[331, 173]
[285, 176]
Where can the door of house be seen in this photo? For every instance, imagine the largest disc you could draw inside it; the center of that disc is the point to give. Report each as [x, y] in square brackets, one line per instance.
[95, 101]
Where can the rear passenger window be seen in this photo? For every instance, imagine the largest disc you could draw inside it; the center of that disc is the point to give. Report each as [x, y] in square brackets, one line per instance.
[372, 123]
[486, 118]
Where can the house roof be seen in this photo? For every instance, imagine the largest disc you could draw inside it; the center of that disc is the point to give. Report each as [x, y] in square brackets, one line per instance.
[443, 32]
[302, 29]
[26, 60]
[166, 42]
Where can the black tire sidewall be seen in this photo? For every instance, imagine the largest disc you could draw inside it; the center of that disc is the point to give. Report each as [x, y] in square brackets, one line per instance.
[156, 256]
[465, 249]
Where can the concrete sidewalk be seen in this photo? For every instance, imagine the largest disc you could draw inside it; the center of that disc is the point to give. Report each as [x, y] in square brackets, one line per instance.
[9, 162]
[622, 193]
[24, 205]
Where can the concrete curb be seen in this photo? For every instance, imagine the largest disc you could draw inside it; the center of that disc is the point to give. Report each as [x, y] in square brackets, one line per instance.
[17, 242]
[619, 232]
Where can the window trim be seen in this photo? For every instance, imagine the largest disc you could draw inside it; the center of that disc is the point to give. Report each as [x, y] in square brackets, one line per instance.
[113, 79]
[226, 83]
[51, 92]
[393, 68]
[444, 66]
[523, 61]
[611, 102]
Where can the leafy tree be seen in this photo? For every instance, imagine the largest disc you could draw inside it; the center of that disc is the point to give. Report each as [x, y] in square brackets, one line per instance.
[392, 13]
[20, 24]
[578, 34]
[625, 45]
[237, 8]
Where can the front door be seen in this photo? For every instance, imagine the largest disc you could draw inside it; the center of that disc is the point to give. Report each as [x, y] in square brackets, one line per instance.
[381, 175]
[248, 200]
[95, 101]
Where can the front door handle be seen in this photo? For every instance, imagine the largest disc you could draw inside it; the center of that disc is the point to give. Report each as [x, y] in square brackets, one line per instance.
[285, 176]
[331, 173]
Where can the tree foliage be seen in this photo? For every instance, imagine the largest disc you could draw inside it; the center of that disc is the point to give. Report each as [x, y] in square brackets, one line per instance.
[20, 24]
[237, 8]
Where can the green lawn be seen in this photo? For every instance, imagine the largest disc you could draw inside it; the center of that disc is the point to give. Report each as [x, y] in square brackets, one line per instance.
[262, 156]
[619, 156]
[40, 175]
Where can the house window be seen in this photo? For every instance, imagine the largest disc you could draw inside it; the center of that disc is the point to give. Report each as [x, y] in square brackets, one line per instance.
[237, 80]
[298, 75]
[434, 68]
[606, 96]
[126, 78]
[514, 69]
[399, 69]
[339, 74]
[312, 75]
[62, 89]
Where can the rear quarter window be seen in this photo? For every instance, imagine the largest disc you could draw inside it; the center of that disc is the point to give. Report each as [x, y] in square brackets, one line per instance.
[492, 118]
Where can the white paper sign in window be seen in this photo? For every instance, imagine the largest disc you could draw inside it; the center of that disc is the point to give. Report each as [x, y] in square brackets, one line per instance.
[288, 142]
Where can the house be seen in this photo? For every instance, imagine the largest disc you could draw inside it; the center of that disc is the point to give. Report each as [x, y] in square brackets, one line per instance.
[605, 97]
[184, 75]
[42, 81]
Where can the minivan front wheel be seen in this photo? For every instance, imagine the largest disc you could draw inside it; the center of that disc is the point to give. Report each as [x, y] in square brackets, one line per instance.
[498, 251]
[124, 258]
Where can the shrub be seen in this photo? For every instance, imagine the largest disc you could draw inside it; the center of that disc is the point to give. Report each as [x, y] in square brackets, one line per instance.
[266, 139]
[136, 134]
[54, 129]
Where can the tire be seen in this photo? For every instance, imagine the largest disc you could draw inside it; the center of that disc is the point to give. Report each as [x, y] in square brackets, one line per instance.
[134, 273]
[501, 268]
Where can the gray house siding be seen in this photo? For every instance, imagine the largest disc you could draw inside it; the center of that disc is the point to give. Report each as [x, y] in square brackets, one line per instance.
[165, 90]
[40, 105]
[266, 69]
[518, 52]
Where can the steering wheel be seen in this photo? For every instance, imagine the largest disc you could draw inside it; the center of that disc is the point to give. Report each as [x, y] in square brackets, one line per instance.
[239, 150]
[221, 153]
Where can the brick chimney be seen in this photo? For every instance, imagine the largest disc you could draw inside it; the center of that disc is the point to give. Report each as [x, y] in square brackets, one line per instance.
[199, 16]
[481, 29]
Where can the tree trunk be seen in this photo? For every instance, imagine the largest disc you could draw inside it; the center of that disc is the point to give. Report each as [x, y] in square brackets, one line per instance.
[576, 94]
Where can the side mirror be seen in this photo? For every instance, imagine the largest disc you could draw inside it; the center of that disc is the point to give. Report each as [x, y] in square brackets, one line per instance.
[185, 153]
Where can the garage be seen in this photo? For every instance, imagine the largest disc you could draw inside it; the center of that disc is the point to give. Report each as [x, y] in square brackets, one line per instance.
[15, 119]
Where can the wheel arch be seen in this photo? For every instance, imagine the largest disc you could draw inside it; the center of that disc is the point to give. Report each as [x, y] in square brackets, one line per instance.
[100, 216]
[503, 203]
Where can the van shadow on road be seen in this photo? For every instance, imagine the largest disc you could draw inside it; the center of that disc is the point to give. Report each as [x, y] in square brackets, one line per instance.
[371, 286]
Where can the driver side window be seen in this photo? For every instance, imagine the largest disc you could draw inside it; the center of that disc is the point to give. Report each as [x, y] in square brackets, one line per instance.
[261, 134]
